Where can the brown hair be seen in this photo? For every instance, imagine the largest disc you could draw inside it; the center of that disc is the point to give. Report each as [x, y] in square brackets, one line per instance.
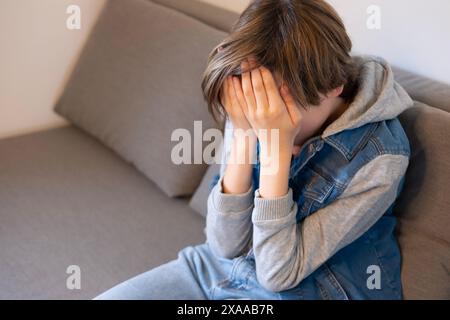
[304, 40]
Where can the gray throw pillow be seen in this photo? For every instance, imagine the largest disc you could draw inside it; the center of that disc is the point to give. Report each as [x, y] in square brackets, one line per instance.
[199, 199]
[137, 80]
[424, 205]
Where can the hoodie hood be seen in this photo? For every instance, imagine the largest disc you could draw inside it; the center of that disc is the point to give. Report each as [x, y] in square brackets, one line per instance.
[379, 97]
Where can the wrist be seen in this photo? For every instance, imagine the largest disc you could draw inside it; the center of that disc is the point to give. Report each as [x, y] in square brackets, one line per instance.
[276, 164]
[274, 171]
[274, 184]
[281, 149]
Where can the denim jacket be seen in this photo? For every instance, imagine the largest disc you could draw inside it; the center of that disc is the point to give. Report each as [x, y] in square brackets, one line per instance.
[332, 236]
[318, 177]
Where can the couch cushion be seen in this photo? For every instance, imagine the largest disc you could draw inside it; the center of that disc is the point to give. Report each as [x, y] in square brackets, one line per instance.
[199, 200]
[424, 205]
[137, 80]
[65, 199]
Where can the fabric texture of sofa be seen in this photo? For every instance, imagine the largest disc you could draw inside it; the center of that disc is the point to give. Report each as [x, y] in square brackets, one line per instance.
[102, 193]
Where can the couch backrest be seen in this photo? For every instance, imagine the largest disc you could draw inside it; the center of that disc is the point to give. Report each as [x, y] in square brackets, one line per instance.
[424, 205]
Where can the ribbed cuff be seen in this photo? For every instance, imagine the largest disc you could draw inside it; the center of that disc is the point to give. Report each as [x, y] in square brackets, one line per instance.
[232, 203]
[272, 209]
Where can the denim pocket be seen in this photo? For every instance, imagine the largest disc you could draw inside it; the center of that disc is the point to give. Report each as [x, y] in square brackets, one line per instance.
[328, 285]
[311, 191]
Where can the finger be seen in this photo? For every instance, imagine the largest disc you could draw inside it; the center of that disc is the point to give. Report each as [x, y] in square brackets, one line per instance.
[224, 93]
[247, 87]
[232, 94]
[259, 90]
[272, 92]
[240, 95]
[291, 105]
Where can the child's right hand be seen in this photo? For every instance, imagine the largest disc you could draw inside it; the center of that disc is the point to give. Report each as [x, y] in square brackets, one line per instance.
[232, 106]
[239, 166]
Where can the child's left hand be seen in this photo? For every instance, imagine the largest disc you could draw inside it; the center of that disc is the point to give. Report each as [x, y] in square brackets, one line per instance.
[268, 108]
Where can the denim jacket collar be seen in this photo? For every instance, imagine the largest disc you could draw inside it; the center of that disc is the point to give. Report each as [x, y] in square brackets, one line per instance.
[348, 143]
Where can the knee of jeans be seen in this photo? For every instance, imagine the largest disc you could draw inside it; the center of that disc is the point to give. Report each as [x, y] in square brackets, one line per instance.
[188, 254]
[122, 291]
[196, 254]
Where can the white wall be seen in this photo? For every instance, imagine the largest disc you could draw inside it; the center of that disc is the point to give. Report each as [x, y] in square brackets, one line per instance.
[36, 57]
[414, 34]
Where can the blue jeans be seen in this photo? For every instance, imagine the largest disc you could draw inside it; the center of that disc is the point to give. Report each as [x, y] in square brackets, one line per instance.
[197, 274]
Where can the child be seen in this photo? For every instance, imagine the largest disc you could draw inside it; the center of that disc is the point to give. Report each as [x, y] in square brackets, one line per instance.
[314, 221]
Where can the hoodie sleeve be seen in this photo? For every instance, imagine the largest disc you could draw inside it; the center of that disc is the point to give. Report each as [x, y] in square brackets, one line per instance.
[287, 252]
[228, 221]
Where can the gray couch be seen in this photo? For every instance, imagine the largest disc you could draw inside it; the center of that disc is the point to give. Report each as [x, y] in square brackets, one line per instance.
[103, 194]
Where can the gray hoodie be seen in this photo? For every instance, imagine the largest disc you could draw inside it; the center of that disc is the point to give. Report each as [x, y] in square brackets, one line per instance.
[238, 223]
